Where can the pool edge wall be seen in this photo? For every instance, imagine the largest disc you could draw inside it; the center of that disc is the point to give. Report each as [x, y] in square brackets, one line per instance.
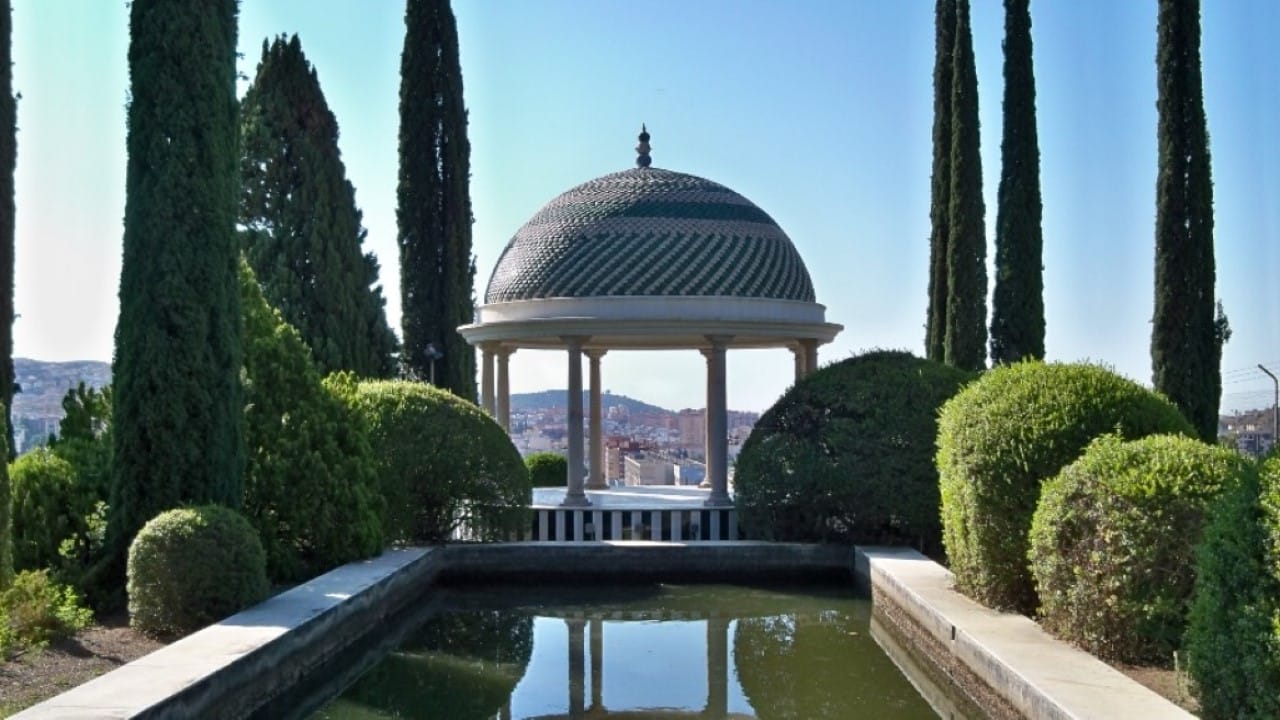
[231, 669]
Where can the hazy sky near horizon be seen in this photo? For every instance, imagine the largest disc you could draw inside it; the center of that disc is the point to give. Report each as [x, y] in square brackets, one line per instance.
[820, 112]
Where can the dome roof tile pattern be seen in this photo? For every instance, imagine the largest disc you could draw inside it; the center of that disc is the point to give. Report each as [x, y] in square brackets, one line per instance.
[650, 232]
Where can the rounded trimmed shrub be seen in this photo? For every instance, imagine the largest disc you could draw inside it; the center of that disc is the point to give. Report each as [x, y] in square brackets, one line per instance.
[547, 469]
[846, 455]
[1005, 434]
[50, 506]
[1113, 541]
[1233, 634]
[192, 566]
[443, 463]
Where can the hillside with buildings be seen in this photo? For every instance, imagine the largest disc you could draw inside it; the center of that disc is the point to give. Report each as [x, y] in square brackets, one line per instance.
[37, 408]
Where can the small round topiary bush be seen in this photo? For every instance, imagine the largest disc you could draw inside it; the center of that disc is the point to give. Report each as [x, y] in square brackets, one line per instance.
[1233, 634]
[1003, 435]
[847, 455]
[192, 566]
[1113, 539]
[547, 469]
[443, 464]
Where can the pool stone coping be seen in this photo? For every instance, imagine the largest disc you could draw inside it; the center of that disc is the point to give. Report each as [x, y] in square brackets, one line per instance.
[232, 668]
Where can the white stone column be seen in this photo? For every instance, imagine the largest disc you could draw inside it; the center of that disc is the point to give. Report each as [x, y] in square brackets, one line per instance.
[504, 388]
[717, 422]
[574, 496]
[797, 351]
[810, 356]
[595, 453]
[486, 377]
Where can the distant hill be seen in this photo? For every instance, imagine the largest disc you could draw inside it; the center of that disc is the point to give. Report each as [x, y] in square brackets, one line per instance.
[560, 398]
[38, 408]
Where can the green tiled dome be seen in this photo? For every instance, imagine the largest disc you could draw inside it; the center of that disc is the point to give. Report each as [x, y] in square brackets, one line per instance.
[650, 232]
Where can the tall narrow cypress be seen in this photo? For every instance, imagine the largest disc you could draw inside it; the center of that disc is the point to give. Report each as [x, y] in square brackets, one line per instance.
[303, 233]
[1185, 341]
[8, 161]
[178, 409]
[434, 202]
[940, 207]
[965, 344]
[1017, 302]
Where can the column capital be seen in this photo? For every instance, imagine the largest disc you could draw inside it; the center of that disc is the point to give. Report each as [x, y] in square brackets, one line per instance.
[594, 353]
[719, 341]
[505, 351]
[575, 341]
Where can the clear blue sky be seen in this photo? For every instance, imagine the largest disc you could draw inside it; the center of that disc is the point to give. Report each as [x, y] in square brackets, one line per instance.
[820, 112]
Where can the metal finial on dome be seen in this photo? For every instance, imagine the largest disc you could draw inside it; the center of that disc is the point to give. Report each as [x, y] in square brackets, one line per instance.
[643, 159]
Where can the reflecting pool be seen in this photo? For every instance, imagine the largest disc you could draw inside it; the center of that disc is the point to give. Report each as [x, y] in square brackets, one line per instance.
[657, 651]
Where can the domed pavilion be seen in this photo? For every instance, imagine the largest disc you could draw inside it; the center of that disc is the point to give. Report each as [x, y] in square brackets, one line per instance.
[645, 259]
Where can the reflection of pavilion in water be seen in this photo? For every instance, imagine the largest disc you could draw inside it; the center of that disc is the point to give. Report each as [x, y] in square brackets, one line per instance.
[717, 703]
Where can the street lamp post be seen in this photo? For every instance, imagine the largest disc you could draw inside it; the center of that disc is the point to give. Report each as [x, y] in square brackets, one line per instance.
[434, 354]
[1275, 407]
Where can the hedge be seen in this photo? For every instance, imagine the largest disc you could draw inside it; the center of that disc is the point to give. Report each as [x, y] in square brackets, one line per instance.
[443, 463]
[1233, 635]
[1113, 539]
[193, 566]
[847, 455]
[1006, 433]
[547, 469]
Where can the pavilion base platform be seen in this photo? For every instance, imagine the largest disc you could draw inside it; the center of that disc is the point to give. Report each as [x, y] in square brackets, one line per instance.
[662, 513]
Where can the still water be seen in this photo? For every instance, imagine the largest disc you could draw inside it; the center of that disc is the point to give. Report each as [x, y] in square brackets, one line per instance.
[657, 652]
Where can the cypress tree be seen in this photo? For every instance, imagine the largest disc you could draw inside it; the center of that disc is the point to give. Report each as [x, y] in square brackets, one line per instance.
[940, 208]
[1017, 304]
[434, 204]
[8, 161]
[966, 321]
[1185, 339]
[178, 409]
[303, 235]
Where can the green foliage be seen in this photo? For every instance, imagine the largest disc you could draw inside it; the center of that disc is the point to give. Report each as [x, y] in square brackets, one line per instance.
[965, 342]
[303, 233]
[1017, 302]
[178, 410]
[191, 566]
[847, 455]
[50, 506]
[547, 469]
[84, 441]
[1113, 539]
[310, 487]
[38, 610]
[1233, 634]
[940, 206]
[1186, 344]
[1006, 433]
[443, 463]
[433, 202]
[6, 529]
[8, 163]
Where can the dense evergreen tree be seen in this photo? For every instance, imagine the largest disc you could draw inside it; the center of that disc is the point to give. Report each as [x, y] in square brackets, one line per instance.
[434, 204]
[8, 159]
[1017, 303]
[1185, 339]
[178, 408]
[940, 209]
[302, 233]
[966, 333]
[8, 162]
